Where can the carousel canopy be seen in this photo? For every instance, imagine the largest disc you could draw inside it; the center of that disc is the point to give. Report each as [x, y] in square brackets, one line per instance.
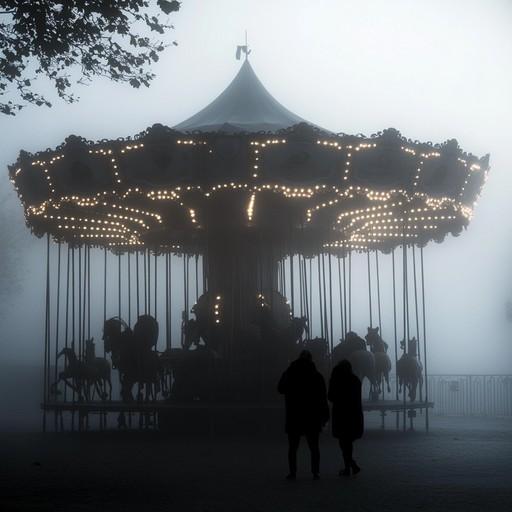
[245, 106]
[245, 164]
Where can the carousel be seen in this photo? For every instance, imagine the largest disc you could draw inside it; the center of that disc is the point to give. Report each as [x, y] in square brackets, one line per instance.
[187, 266]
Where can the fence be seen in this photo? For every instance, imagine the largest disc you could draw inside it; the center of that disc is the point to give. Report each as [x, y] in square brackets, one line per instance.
[471, 395]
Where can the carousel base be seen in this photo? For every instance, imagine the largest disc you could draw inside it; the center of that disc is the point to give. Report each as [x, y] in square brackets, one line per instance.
[200, 418]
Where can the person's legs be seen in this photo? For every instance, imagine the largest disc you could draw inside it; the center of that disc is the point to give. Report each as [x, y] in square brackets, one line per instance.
[313, 439]
[346, 451]
[355, 467]
[293, 445]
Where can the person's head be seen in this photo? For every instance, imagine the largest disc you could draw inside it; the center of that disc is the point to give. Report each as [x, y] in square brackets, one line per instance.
[306, 354]
[345, 366]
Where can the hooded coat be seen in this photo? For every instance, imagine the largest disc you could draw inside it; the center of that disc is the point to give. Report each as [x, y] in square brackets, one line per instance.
[347, 409]
[305, 392]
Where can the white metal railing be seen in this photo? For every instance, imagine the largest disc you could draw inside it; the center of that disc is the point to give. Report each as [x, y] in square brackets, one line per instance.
[464, 395]
[471, 395]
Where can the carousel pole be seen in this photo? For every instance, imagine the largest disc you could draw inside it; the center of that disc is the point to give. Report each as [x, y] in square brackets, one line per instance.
[406, 317]
[342, 302]
[349, 291]
[104, 289]
[80, 304]
[325, 311]
[331, 314]
[369, 287]
[119, 312]
[424, 339]
[167, 301]
[137, 279]
[300, 255]
[306, 293]
[320, 305]
[378, 290]
[185, 287]
[46, 370]
[105, 318]
[88, 292]
[69, 281]
[379, 313]
[147, 256]
[292, 277]
[155, 284]
[416, 306]
[57, 322]
[395, 327]
[129, 265]
[73, 322]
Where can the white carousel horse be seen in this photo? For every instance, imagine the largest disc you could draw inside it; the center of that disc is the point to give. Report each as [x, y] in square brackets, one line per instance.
[353, 348]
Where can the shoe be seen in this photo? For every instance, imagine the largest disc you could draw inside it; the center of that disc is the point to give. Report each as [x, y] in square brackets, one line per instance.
[291, 476]
[355, 468]
[316, 476]
[344, 472]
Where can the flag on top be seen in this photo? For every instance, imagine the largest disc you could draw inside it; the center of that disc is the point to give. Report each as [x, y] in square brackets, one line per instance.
[242, 48]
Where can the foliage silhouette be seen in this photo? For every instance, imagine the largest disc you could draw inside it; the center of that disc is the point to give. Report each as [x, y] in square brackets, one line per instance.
[74, 41]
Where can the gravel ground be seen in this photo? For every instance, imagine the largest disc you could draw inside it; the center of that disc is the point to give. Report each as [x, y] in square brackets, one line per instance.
[461, 464]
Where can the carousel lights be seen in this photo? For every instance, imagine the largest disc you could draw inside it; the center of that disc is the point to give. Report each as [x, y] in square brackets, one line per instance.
[430, 155]
[443, 210]
[217, 308]
[329, 143]
[250, 208]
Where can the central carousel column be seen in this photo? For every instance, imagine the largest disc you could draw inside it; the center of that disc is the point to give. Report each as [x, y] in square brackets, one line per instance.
[241, 270]
[241, 306]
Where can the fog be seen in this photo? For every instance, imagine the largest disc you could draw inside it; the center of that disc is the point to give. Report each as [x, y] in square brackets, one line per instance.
[434, 70]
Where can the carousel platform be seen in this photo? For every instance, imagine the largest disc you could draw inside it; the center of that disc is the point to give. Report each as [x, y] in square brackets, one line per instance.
[200, 417]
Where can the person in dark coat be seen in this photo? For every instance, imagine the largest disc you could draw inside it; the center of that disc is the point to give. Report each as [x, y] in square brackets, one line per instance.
[307, 409]
[347, 412]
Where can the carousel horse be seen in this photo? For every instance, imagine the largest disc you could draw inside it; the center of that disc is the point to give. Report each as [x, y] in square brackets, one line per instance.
[133, 356]
[409, 369]
[379, 349]
[280, 341]
[190, 334]
[296, 329]
[291, 336]
[102, 365]
[353, 348]
[78, 375]
[190, 372]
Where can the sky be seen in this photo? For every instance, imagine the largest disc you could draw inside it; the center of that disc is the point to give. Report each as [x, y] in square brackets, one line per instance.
[433, 69]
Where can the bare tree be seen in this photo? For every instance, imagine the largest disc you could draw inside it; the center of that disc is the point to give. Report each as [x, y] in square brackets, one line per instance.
[76, 38]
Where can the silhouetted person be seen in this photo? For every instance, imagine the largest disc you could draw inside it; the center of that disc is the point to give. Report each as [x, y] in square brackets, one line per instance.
[347, 412]
[307, 409]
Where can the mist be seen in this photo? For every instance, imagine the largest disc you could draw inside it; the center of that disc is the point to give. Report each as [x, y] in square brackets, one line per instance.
[433, 70]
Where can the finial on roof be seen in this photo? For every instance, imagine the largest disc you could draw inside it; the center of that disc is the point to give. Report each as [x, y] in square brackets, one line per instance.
[243, 48]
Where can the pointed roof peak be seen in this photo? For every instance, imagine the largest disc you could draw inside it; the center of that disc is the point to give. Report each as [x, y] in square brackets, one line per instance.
[244, 106]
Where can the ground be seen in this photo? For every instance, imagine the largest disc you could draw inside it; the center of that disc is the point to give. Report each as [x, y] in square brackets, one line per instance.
[460, 464]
